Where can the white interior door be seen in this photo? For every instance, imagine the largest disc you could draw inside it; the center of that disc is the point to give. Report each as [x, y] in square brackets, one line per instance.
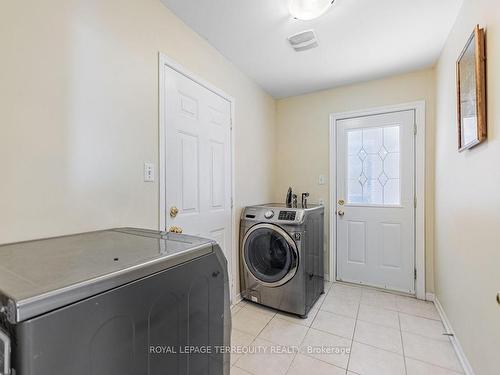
[198, 161]
[375, 200]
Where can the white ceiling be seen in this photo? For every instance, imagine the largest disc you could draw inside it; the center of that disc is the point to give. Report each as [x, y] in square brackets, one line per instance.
[359, 39]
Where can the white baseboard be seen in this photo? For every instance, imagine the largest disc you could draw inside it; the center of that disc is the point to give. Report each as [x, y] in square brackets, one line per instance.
[430, 297]
[237, 299]
[454, 339]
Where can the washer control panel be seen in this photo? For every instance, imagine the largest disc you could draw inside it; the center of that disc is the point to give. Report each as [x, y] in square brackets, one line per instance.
[269, 214]
[287, 215]
[277, 213]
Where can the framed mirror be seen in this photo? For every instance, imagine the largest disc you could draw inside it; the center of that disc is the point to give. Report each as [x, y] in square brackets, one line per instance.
[471, 92]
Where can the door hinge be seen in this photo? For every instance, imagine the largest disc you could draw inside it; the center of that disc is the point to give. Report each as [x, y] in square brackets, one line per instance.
[415, 129]
[415, 201]
[415, 274]
[232, 203]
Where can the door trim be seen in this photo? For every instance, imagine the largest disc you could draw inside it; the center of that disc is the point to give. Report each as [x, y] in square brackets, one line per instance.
[419, 108]
[165, 61]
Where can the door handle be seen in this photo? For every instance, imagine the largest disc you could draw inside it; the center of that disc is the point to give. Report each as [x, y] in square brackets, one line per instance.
[173, 211]
[175, 229]
[340, 213]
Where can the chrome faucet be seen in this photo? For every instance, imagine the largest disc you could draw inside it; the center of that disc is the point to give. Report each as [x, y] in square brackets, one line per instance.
[304, 199]
[289, 197]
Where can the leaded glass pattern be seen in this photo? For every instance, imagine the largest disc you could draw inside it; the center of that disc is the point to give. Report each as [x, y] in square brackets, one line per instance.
[373, 173]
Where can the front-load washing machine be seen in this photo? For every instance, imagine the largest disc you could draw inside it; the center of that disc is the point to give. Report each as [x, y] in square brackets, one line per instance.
[281, 252]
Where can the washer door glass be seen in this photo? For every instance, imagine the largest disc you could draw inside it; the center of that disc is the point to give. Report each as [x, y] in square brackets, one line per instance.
[269, 256]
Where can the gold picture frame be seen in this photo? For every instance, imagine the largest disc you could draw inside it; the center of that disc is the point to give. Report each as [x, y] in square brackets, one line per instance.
[471, 92]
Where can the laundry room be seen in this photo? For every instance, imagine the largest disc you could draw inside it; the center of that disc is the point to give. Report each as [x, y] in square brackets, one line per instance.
[258, 187]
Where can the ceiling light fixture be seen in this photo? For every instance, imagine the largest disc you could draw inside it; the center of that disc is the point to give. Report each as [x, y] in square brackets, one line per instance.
[308, 9]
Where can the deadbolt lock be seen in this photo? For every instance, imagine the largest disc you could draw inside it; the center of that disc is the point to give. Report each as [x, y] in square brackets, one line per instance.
[341, 202]
[173, 211]
[175, 229]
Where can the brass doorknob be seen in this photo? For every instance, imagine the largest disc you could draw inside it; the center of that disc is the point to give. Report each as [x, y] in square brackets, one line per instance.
[175, 229]
[340, 213]
[173, 211]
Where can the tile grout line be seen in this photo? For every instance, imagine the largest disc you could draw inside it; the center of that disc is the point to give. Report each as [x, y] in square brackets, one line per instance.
[295, 354]
[351, 339]
[340, 315]
[423, 336]
[255, 338]
[242, 369]
[399, 311]
[353, 334]
[420, 316]
[263, 328]
[402, 344]
[378, 348]
[434, 365]
[322, 360]
[334, 334]
[308, 329]
[374, 288]
[274, 315]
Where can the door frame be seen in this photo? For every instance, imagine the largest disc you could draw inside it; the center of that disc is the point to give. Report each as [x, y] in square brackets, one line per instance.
[420, 125]
[165, 61]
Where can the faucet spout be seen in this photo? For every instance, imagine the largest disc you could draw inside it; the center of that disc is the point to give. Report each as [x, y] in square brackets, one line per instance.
[304, 199]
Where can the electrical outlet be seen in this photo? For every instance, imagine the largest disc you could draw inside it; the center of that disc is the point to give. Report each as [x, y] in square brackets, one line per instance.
[149, 172]
[322, 179]
[321, 201]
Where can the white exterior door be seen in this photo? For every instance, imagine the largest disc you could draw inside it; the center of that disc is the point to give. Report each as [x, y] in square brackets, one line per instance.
[198, 161]
[375, 200]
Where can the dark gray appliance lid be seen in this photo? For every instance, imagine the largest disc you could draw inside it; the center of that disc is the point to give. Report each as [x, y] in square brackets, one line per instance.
[43, 275]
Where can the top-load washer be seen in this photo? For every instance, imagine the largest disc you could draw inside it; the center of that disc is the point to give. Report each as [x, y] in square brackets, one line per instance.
[281, 252]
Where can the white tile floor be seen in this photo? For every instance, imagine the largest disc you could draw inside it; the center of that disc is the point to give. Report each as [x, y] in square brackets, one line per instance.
[381, 334]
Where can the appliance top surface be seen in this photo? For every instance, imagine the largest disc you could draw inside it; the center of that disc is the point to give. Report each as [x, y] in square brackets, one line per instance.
[284, 206]
[35, 269]
[279, 213]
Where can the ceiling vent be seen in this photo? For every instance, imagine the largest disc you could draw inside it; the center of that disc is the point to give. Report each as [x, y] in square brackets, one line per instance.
[303, 41]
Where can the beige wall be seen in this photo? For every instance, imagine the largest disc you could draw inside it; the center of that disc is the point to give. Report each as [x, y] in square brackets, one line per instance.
[468, 200]
[79, 114]
[303, 131]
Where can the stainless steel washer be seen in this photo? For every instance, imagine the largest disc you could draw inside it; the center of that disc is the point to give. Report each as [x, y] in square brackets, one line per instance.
[282, 251]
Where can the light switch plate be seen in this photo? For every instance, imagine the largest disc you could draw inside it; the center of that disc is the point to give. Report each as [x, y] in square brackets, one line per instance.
[322, 179]
[149, 172]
